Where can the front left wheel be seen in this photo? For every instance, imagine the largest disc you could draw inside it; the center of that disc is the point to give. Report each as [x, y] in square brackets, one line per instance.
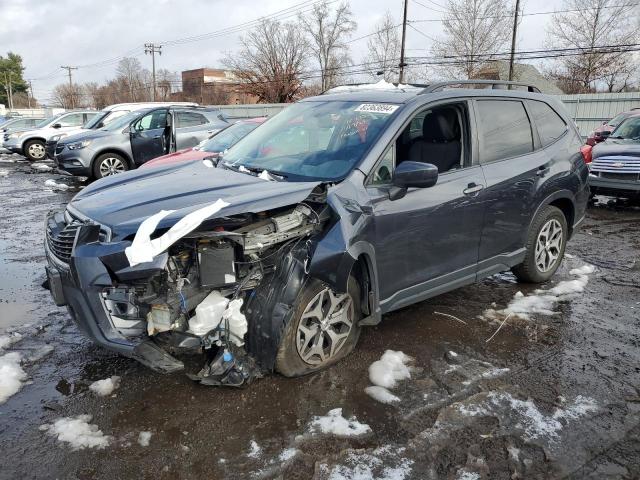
[109, 164]
[323, 329]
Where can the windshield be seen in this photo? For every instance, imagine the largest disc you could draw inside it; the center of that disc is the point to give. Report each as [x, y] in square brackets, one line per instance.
[311, 141]
[124, 121]
[617, 120]
[96, 120]
[628, 130]
[228, 137]
[43, 123]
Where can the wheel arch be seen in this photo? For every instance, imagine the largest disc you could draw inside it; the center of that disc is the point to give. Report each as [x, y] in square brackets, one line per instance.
[564, 201]
[115, 151]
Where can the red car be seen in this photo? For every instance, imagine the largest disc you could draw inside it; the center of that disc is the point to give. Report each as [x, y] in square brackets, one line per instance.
[211, 147]
[603, 131]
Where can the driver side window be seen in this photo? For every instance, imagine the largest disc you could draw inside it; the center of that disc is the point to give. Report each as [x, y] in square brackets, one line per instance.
[152, 120]
[384, 170]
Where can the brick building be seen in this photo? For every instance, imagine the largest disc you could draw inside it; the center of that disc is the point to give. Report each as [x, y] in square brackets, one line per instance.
[213, 86]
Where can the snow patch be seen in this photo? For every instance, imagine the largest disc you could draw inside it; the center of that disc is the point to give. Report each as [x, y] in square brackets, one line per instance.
[40, 353]
[41, 167]
[105, 387]
[51, 183]
[287, 454]
[367, 466]
[543, 302]
[391, 368]
[10, 339]
[78, 432]
[255, 450]
[144, 438]
[381, 394]
[464, 474]
[335, 424]
[4, 172]
[381, 85]
[12, 376]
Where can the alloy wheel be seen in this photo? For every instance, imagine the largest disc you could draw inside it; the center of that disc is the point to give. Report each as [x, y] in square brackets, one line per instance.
[324, 327]
[548, 245]
[36, 151]
[111, 166]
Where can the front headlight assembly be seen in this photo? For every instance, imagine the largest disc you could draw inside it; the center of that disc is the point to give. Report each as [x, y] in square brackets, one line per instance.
[78, 145]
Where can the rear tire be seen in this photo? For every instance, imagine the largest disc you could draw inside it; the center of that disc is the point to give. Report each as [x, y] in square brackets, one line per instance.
[545, 246]
[34, 150]
[322, 331]
[109, 164]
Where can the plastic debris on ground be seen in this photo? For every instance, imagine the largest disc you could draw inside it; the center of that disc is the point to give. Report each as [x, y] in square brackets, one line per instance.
[78, 432]
[105, 387]
[541, 301]
[144, 438]
[143, 249]
[12, 376]
[335, 424]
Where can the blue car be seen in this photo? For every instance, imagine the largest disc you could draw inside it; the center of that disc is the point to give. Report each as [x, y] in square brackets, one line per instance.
[337, 210]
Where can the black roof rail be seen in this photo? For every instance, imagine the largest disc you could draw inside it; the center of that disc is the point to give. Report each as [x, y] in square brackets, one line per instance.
[494, 84]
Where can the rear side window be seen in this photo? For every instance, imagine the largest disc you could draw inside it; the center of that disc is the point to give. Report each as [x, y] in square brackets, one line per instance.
[505, 129]
[549, 124]
[190, 119]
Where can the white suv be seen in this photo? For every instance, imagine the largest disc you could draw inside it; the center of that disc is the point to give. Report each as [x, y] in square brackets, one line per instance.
[31, 143]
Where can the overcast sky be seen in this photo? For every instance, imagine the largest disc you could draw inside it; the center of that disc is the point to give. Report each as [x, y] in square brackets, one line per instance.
[51, 33]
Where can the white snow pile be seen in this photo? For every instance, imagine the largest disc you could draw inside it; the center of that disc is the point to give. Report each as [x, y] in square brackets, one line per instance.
[380, 464]
[4, 172]
[381, 85]
[12, 376]
[77, 432]
[51, 183]
[40, 353]
[264, 175]
[9, 339]
[144, 438]
[335, 424]
[543, 302]
[41, 167]
[526, 416]
[386, 373]
[105, 387]
[255, 450]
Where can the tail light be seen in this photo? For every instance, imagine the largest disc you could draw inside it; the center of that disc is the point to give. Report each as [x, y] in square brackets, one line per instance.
[585, 150]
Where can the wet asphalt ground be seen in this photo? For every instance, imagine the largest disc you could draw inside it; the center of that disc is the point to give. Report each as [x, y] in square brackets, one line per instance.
[554, 396]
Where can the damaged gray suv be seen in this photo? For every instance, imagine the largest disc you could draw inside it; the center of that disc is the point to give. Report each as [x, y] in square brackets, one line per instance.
[341, 208]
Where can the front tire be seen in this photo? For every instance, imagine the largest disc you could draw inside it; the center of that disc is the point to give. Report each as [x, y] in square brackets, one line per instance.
[323, 329]
[34, 150]
[545, 246]
[109, 164]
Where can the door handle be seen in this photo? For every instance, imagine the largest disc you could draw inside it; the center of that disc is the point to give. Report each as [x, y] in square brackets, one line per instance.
[472, 189]
[542, 171]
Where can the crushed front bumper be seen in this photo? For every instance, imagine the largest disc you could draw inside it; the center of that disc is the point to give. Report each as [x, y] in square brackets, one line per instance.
[615, 187]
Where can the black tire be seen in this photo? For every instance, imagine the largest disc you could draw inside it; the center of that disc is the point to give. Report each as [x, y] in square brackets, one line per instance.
[529, 270]
[109, 164]
[34, 150]
[289, 361]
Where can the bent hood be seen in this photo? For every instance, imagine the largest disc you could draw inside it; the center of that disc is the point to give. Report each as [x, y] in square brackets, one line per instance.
[121, 202]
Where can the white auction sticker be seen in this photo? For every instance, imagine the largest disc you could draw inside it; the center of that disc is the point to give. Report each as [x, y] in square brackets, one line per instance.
[385, 108]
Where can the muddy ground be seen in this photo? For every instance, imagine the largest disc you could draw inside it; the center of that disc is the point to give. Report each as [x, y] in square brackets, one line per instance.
[554, 396]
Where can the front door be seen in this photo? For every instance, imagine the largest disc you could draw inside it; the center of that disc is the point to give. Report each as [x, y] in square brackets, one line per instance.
[149, 136]
[428, 240]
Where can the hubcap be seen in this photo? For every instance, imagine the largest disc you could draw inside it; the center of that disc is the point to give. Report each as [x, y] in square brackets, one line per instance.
[111, 166]
[548, 245]
[324, 327]
[36, 151]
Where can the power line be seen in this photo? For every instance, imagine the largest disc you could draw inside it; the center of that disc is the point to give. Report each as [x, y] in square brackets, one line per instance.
[68, 69]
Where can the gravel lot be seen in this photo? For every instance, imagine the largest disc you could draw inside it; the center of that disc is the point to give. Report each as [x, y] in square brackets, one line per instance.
[549, 396]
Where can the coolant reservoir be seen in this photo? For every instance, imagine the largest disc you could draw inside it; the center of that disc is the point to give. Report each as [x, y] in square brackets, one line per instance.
[237, 322]
[208, 313]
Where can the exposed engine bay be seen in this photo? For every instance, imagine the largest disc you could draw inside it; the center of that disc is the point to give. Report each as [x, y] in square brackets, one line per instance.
[197, 303]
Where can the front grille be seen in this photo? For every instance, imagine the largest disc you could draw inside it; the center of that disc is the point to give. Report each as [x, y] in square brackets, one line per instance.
[61, 244]
[621, 164]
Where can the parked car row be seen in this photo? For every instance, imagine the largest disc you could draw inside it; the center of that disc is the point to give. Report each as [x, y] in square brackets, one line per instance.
[342, 207]
[19, 123]
[613, 154]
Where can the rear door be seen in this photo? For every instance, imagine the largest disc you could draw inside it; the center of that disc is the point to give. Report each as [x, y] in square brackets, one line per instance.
[513, 167]
[148, 136]
[191, 128]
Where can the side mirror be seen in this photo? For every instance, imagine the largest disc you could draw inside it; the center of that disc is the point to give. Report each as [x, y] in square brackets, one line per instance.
[605, 134]
[56, 125]
[412, 174]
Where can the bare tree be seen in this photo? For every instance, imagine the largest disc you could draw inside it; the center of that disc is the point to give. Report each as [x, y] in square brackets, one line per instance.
[68, 96]
[270, 63]
[474, 30]
[328, 33]
[165, 82]
[129, 73]
[384, 49]
[597, 24]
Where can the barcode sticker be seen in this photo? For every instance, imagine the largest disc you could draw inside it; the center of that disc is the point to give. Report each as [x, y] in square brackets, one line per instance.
[385, 108]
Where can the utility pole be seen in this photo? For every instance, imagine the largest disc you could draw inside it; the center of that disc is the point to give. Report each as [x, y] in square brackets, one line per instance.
[152, 48]
[30, 95]
[8, 89]
[68, 69]
[404, 36]
[513, 40]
